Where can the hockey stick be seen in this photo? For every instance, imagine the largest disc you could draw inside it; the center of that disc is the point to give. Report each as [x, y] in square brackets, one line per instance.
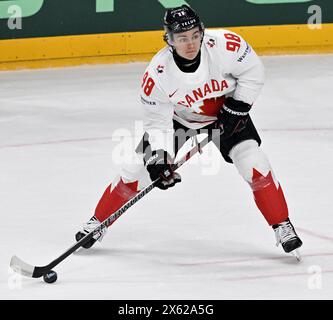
[28, 270]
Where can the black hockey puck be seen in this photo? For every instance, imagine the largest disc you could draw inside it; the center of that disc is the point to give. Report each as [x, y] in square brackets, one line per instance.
[50, 276]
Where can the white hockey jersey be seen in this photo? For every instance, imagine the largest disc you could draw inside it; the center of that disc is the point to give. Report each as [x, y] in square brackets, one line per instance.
[228, 67]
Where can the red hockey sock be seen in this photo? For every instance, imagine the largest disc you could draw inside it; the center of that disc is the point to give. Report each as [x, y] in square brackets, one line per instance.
[113, 199]
[269, 199]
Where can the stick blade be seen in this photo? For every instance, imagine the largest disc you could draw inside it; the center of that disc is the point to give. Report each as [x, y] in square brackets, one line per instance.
[21, 267]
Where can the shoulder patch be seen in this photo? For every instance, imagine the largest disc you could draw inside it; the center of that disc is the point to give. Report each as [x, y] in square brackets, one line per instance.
[211, 43]
[160, 69]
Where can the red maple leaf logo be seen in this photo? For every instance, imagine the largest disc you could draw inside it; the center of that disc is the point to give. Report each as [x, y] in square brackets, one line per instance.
[211, 107]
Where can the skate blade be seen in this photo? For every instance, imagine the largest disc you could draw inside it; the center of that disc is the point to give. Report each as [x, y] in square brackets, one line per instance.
[296, 253]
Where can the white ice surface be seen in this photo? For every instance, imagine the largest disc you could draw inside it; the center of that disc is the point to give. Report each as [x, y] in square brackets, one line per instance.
[204, 239]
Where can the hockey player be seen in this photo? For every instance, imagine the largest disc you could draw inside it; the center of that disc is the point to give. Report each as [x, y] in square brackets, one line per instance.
[200, 80]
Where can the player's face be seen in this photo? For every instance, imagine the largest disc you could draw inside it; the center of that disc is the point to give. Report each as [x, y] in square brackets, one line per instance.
[187, 44]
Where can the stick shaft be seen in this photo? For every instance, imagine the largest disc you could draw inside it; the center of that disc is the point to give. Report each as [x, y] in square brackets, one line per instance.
[40, 271]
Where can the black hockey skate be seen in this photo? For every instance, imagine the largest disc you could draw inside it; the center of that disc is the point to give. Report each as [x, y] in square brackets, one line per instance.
[88, 227]
[286, 235]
